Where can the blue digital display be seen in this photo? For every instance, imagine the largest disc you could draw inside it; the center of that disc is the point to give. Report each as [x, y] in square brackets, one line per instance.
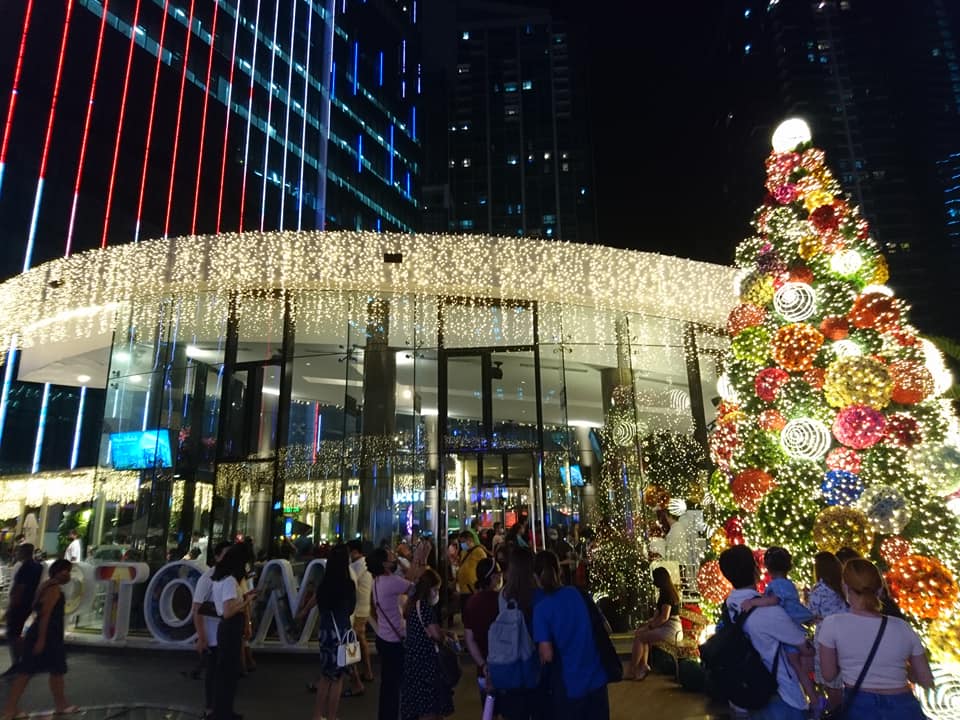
[140, 450]
[576, 477]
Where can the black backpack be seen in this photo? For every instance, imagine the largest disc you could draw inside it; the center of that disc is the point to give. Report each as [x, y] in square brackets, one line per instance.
[734, 669]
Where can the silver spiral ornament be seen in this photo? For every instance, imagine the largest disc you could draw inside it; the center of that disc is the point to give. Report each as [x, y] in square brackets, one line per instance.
[795, 301]
[805, 439]
[679, 400]
[943, 702]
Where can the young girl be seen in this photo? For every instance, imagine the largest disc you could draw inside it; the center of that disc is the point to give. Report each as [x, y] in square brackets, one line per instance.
[826, 599]
[663, 626]
[781, 591]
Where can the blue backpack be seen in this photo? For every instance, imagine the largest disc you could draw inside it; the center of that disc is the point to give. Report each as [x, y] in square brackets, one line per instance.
[512, 658]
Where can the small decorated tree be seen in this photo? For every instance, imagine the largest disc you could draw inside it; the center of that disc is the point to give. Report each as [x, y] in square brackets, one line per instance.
[832, 431]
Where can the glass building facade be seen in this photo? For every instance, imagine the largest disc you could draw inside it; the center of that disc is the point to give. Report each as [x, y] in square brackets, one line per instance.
[361, 384]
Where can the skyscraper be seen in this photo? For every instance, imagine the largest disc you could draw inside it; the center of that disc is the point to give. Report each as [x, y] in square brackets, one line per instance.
[125, 121]
[879, 84]
[517, 152]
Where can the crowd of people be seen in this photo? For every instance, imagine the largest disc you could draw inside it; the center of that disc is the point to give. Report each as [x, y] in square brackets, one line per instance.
[847, 650]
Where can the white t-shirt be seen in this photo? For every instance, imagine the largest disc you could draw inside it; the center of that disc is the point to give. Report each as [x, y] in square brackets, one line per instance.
[853, 635]
[74, 552]
[223, 590]
[769, 628]
[364, 582]
[201, 594]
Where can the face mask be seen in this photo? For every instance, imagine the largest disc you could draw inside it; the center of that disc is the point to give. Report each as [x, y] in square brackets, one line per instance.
[434, 597]
[463, 546]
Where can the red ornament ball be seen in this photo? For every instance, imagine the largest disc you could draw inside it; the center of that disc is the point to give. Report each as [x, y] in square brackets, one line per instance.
[796, 345]
[769, 381]
[772, 420]
[744, 316]
[912, 382]
[893, 548]
[733, 529]
[876, 311]
[801, 274]
[903, 430]
[835, 327]
[845, 459]
[859, 426]
[825, 218]
[711, 583]
[750, 486]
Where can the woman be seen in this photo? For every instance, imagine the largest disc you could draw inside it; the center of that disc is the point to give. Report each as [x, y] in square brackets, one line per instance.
[232, 607]
[664, 625]
[563, 632]
[520, 586]
[844, 642]
[422, 696]
[479, 614]
[826, 599]
[43, 650]
[389, 590]
[336, 599]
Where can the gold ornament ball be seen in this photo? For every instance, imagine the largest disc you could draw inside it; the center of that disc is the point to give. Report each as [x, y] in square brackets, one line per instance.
[718, 541]
[857, 380]
[944, 638]
[922, 586]
[757, 290]
[839, 526]
[656, 496]
[796, 346]
[809, 246]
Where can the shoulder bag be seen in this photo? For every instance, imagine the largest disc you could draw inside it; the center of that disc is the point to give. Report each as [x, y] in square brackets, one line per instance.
[448, 661]
[348, 649]
[841, 711]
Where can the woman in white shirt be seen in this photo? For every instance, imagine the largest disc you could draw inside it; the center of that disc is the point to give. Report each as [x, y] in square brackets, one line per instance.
[844, 642]
[231, 607]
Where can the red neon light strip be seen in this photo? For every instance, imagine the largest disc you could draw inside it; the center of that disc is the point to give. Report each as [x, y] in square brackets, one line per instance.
[203, 122]
[56, 91]
[16, 83]
[176, 136]
[226, 125]
[86, 128]
[123, 112]
[153, 105]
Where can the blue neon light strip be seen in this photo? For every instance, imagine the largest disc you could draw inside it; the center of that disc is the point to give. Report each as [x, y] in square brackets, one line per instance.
[356, 65]
[413, 122]
[7, 382]
[28, 256]
[360, 153]
[303, 137]
[75, 452]
[41, 425]
[286, 126]
[333, 80]
[391, 154]
[381, 76]
[408, 183]
[266, 141]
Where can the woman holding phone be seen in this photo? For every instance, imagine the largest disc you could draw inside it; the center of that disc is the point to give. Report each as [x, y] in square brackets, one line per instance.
[232, 608]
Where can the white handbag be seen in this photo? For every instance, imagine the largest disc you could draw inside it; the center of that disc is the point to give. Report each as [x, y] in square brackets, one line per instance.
[348, 648]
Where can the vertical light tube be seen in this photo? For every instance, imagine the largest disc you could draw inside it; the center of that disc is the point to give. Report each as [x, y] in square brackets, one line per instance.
[123, 111]
[203, 121]
[7, 383]
[28, 255]
[176, 134]
[266, 143]
[246, 144]
[8, 125]
[153, 107]
[380, 82]
[360, 153]
[303, 136]
[226, 122]
[328, 73]
[391, 153]
[41, 426]
[86, 130]
[356, 66]
[286, 126]
[75, 452]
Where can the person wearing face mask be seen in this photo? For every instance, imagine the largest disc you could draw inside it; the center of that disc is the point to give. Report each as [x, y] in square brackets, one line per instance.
[482, 609]
[388, 592]
[471, 553]
[423, 695]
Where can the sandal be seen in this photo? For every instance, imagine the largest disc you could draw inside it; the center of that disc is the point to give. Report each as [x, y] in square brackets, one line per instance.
[350, 692]
[68, 710]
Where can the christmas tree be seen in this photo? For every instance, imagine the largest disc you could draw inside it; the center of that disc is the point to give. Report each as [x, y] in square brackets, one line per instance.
[832, 431]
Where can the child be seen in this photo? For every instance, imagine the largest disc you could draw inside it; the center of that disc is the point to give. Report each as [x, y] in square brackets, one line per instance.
[781, 591]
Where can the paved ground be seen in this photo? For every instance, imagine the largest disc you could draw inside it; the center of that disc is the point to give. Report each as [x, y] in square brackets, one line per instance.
[156, 685]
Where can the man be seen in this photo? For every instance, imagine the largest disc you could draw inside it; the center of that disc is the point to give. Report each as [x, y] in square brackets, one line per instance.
[74, 552]
[564, 551]
[25, 583]
[470, 556]
[361, 616]
[207, 623]
[769, 628]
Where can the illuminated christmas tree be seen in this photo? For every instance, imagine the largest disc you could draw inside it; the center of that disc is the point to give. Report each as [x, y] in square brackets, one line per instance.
[832, 431]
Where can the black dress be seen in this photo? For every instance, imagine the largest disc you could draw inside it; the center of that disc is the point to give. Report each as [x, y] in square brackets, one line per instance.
[422, 692]
[53, 659]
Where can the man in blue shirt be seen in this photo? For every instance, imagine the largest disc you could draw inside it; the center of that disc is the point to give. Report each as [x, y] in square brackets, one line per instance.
[25, 583]
[564, 635]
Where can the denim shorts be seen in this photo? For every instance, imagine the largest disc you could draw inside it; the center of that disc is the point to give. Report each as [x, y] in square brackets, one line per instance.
[777, 709]
[874, 706]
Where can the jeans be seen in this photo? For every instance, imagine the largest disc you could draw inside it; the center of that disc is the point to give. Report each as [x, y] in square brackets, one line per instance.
[777, 709]
[391, 675]
[873, 706]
